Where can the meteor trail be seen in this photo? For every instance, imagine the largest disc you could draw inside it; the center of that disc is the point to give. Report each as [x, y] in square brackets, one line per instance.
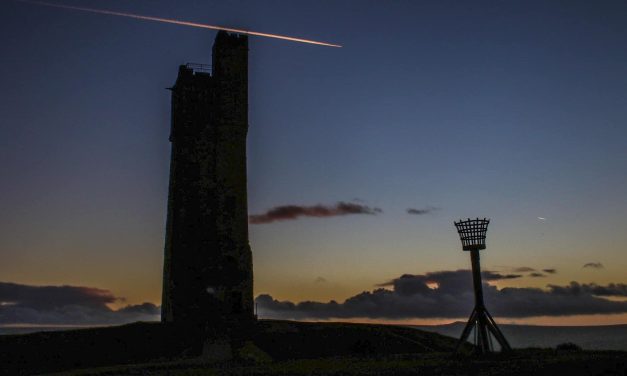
[177, 22]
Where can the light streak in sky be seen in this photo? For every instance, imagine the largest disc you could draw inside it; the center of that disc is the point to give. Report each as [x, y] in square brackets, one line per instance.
[542, 219]
[183, 23]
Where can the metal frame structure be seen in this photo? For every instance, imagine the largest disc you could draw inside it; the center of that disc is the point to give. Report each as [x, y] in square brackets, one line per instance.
[472, 233]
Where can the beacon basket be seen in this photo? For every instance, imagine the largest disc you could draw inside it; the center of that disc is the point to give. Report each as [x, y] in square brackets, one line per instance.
[472, 233]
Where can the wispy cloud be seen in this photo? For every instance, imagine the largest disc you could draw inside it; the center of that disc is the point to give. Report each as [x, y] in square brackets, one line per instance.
[550, 270]
[536, 275]
[413, 296]
[422, 211]
[292, 212]
[593, 265]
[524, 269]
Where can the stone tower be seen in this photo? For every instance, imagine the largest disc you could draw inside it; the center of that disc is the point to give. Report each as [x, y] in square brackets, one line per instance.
[208, 276]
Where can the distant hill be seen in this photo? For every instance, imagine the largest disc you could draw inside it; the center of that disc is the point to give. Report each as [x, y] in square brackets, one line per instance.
[606, 337]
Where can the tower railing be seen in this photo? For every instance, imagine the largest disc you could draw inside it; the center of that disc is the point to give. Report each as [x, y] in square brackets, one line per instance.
[198, 67]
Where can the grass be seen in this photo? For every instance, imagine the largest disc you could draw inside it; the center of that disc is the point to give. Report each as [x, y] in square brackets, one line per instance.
[520, 362]
[284, 348]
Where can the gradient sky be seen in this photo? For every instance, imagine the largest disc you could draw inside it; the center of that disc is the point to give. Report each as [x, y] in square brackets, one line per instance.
[511, 110]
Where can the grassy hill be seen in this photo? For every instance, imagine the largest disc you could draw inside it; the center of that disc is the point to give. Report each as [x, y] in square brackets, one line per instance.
[153, 342]
[536, 362]
[282, 348]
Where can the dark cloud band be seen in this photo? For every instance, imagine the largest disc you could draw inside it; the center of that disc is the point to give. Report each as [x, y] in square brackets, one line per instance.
[448, 294]
[67, 305]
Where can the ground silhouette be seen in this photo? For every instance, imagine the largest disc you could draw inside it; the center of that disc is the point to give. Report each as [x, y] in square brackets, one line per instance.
[284, 347]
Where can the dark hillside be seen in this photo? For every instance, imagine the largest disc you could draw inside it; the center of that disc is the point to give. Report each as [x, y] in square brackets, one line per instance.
[150, 342]
[300, 340]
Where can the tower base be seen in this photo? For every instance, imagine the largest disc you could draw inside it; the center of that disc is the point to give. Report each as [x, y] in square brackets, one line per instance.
[484, 325]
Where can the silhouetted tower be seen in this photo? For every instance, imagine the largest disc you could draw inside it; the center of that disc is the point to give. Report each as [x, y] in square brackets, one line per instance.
[472, 233]
[207, 276]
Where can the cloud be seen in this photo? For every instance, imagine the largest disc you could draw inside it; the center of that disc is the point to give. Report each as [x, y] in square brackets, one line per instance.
[612, 289]
[550, 271]
[449, 294]
[292, 212]
[493, 276]
[594, 265]
[423, 211]
[51, 297]
[67, 305]
[536, 275]
[408, 284]
[320, 280]
[524, 269]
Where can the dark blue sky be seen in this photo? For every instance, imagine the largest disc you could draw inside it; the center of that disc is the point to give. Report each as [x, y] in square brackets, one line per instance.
[508, 109]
